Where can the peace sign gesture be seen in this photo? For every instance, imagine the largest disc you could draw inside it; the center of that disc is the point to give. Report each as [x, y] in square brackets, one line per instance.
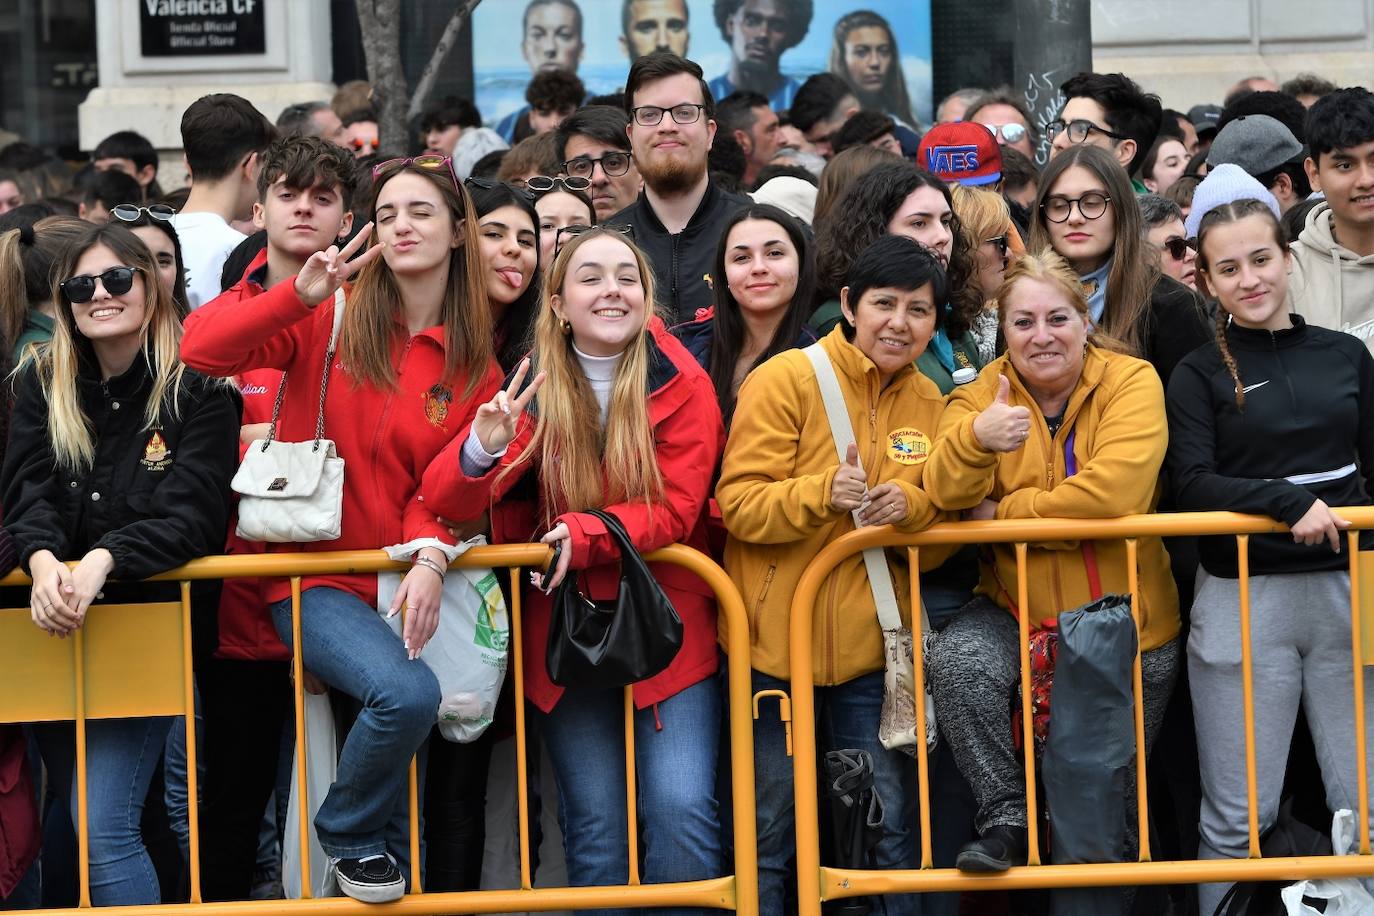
[497, 420]
[325, 271]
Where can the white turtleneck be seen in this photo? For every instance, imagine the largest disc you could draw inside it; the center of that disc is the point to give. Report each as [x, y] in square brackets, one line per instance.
[600, 373]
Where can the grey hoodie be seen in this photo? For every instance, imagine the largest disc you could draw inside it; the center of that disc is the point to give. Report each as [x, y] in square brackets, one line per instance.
[1331, 286]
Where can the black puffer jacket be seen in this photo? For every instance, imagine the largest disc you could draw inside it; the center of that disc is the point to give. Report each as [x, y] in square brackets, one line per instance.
[1306, 433]
[155, 498]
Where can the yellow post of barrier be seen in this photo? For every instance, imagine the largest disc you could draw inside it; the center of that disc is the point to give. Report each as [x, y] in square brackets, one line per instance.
[1357, 653]
[631, 801]
[918, 653]
[1027, 717]
[298, 694]
[1142, 802]
[83, 811]
[192, 773]
[522, 795]
[1248, 693]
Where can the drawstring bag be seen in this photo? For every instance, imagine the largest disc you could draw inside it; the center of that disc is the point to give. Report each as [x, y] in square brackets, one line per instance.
[292, 492]
[897, 721]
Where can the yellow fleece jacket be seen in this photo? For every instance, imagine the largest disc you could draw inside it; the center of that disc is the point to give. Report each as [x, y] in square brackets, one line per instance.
[1117, 414]
[774, 494]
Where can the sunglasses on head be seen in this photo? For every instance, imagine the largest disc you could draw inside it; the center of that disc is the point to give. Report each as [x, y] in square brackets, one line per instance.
[117, 281]
[568, 233]
[431, 162]
[132, 213]
[486, 184]
[1178, 246]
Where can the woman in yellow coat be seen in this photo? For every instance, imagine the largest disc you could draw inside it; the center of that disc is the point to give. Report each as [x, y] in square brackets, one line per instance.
[784, 495]
[1003, 452]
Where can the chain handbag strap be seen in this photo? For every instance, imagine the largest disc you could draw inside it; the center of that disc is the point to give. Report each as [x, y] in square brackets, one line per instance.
[324, 380]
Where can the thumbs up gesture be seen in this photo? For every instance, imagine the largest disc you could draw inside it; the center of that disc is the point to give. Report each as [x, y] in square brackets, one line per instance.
[1002, 427]
[850, 484]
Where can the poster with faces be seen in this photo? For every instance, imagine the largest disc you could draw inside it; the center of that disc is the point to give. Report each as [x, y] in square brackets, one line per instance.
[879, 46]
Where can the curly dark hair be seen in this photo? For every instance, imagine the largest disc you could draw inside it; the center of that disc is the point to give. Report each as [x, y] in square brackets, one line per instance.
[861, 216]
[798, 18]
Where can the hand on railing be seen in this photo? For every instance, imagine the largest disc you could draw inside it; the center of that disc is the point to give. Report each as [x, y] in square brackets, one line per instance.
[61, 596]
[560, 539]
[420, 593]
[985, 511]
[885, 504]
[1319, 524]
[1002, 427]
[850, 484]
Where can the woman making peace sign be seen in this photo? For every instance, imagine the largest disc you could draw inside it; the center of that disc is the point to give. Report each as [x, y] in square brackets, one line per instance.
[414, 361]
[624, 418]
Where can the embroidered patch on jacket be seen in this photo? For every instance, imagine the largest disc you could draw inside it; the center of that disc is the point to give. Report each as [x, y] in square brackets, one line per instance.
[156, 455]
[907, 445]
[437, 400]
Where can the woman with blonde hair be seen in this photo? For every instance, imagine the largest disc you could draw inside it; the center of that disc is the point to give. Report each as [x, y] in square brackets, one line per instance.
[1063, 425]
[985, 223]
[413, 362]
[121, 459]
[617, 416]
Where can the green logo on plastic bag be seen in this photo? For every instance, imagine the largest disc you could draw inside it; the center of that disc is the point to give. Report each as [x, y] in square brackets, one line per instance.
[493, 626]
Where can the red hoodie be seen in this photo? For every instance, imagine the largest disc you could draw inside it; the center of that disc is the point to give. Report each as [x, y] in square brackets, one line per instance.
[387, 438]
[689, 436]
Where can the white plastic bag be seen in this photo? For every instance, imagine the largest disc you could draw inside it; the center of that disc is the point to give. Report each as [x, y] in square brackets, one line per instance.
[322, 763]
[468, 651]
[1343, 896]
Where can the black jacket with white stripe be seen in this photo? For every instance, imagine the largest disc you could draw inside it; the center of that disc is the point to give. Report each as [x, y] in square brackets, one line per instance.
[1306, 432]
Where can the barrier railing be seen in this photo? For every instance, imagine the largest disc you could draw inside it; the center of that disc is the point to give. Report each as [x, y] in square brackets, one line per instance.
[139, 658]
[818, 884]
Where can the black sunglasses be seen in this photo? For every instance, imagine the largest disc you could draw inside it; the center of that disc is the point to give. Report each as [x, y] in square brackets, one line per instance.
[117, 282]
[567, 233]
[486, 184]
[1178, 246]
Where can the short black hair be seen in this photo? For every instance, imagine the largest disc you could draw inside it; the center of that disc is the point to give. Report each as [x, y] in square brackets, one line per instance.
[358, 116]
[779, 170]
[488, 165]
[864, 127]
[736, 111]
[127, 144]
[726, 162]
[613, 99]
[1308, 84]
[453, 110]
[1297, 175]
[1169, 126]
[219, 131]
[555, 90]
[1285, 109]
[816, 100]
[20, 156]
[111, 187]
[1156, 210]
[799, 14]
[896, 262]
[1341, 120]
[1018, 170]
[298, 120]
[660, 65]
[601, 123]
[1127, 109]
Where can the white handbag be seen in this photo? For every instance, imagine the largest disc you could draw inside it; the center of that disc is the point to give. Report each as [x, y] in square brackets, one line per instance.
[897, 721]
[292, 492]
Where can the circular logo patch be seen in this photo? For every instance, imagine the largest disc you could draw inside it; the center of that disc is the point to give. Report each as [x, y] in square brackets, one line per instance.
[908, 446]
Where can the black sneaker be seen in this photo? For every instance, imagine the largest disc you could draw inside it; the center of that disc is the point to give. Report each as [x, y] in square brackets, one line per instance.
[998, 849]
[372, 879]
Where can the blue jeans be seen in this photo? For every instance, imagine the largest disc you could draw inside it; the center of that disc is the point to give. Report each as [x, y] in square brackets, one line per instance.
[847, 717]
[349, 646]
[121, 755]
[676, 746]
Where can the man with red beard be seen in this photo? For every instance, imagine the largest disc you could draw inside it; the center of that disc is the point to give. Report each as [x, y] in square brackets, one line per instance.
[679, 215]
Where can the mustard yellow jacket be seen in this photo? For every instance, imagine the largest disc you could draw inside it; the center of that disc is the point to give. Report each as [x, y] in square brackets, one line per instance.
[1117, 410]
[774, 494]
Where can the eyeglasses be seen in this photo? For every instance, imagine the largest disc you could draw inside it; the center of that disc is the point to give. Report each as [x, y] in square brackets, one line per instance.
[543, 184]
[486, 184]
[1012, 133]
[568, 233]
[117, 281]
[1177, 246]
[1091, 205]
[1079, 130]
[1000, 242]
[431, 162]
[132, 213]
[613, 164]
[651, 115]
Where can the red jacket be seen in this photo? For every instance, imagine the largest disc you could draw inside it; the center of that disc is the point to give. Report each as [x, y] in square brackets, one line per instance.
[20, 836]
[386, 437]
[689, 435]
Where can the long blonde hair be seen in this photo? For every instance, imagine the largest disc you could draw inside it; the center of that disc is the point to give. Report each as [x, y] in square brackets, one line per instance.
[583, 465]
[369, 331]
[69, 429]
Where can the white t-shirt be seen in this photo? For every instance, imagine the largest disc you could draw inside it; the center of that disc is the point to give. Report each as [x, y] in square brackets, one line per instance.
[206, 241]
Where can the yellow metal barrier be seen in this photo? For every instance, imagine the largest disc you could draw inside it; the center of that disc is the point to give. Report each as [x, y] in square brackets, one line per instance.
[817, 884]
[135, 660]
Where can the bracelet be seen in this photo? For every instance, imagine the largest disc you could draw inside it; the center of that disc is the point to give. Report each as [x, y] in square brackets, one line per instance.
[427, 563]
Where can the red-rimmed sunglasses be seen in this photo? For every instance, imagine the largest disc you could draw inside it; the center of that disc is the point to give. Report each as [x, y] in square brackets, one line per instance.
[432, 162]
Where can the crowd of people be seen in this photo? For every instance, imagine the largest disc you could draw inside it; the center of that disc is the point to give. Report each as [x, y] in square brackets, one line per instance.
[629, 310]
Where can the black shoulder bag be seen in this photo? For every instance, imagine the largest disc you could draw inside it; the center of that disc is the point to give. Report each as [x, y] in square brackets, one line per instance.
[599, 644]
